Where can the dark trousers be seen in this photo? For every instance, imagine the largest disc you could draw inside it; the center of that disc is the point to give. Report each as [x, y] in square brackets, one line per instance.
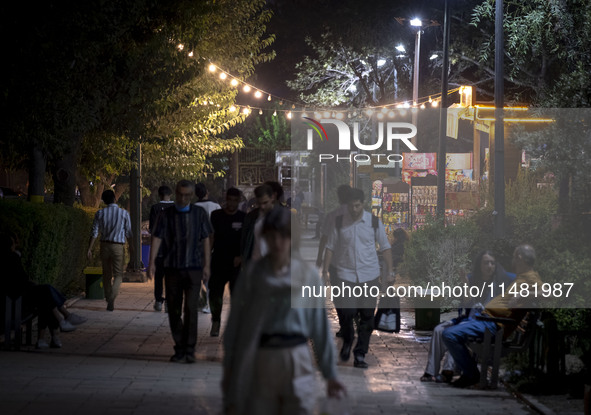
[335, 280]
[45, 298]
[217, 283]
[159, 279]
[183, 283]
[363, 309]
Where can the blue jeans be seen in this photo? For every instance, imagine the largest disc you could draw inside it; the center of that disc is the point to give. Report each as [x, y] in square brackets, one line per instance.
[456, 337]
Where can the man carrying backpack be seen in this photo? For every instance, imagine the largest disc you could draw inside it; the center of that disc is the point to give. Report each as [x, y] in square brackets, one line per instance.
[353, 243]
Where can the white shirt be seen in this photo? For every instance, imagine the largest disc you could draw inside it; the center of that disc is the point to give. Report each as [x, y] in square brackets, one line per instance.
[208, 206]
[354, 248]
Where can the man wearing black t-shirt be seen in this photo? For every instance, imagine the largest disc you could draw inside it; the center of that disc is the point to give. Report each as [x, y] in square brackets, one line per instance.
[225, 260]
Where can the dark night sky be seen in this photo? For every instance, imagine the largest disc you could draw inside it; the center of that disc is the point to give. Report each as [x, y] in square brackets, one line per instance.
[293, 20]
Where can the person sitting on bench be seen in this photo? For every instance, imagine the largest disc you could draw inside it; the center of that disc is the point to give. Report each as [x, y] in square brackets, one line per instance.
[45, 299]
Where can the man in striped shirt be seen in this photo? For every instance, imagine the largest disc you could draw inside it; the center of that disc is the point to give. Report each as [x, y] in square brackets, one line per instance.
[114, 225]
[184, 231]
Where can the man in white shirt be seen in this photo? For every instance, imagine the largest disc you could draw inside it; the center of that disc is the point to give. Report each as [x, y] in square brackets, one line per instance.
[352, 243]
[209, 206]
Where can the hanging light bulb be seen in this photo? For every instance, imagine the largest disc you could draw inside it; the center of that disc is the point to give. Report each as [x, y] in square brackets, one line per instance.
[223, 75]
[246, 111]
[260, 112]
[232, 108]
[391, 114]
[369, 112]
[380, 115]
[289, 115]
[269, 98]
[275, 113]
[423, 106]
[326, 114]
[212, 68]
[246, 88]
[340, 116]
[191, 54]
[181, 46]
[258, 94]
[234, 82]
[435, 104]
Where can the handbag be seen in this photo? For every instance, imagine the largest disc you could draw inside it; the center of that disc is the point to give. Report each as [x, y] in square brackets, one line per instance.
[388, 317]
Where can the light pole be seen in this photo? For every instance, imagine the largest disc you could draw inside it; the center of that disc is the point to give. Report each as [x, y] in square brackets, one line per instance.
[442, 156]
[415, 83]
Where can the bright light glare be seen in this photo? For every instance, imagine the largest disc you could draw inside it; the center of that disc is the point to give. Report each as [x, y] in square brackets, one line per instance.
[212, 68]
[400, 48]
[381, 62]
[246, 88]
[234, 82]
[434, 56]
[223, 75]
[416, 22]
[258, 94]
[232, 108]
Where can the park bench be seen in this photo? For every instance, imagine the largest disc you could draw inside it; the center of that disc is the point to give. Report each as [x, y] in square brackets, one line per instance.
[492, 347]
[14, 320]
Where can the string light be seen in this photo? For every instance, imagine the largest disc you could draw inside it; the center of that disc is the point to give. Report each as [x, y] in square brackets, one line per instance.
[258, 93]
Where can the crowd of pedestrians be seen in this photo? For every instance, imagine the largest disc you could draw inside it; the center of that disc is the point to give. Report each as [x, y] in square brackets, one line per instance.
[203, 247]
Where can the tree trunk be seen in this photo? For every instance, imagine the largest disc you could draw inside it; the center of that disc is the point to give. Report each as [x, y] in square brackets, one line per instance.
[64, 177]
[88, 197]
[37, 167]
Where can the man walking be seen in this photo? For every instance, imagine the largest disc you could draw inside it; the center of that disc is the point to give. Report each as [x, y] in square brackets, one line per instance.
[164, 193]
[252, 245]
[114, 225]
[203, 202]
[353, 245]
[225, 260]
[184, 232]
[506, 306]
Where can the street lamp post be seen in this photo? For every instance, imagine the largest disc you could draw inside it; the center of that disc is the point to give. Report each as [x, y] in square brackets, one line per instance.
[415, 84]
[442, 156]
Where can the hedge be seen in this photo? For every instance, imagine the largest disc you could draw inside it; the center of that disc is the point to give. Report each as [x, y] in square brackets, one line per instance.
[53, 241]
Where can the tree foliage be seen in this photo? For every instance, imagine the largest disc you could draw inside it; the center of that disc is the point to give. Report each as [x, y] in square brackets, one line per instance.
[113, 69]
[546, 48]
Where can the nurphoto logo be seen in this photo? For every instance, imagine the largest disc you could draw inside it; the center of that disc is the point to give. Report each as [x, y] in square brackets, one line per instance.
[387, 133]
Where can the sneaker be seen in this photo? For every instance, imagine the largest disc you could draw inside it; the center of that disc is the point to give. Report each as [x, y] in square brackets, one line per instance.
[177, 358]
[66, 326]
[158, 306]
[206, 310]
[42, 344]
[215, 329]
[56, 343]
[110, 305]
[75, 319]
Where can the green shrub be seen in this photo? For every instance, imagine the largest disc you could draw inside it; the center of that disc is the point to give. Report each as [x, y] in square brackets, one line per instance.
[53, 241]
[437, 254]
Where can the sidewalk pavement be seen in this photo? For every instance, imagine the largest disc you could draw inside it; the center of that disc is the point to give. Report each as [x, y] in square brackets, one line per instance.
[117, 364]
